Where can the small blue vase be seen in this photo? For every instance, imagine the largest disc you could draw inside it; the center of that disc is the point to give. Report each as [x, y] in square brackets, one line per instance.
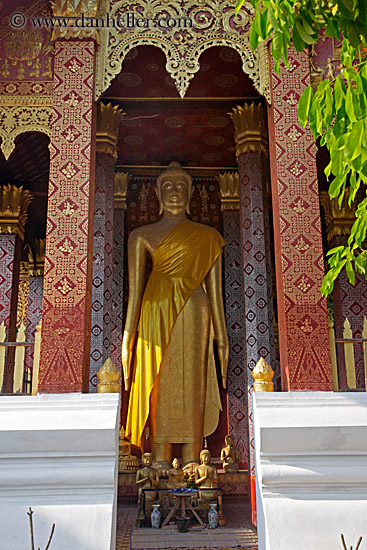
[213, 517]
[155, 517]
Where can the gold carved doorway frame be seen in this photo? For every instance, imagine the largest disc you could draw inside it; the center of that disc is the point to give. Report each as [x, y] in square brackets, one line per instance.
[197, 25]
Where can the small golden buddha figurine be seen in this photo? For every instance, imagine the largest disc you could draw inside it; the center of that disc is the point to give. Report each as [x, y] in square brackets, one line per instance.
[176, 476]
[147, 478]
[229, 456]
[206, 476]
[127, 462]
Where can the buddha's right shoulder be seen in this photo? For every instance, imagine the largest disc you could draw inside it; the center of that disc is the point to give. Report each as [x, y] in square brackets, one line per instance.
[140, 231]
[142, 234]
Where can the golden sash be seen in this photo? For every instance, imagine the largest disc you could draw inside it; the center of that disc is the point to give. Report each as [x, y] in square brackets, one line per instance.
[180, 263]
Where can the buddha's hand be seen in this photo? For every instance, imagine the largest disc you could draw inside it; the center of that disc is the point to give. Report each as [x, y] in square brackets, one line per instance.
[223, 353]
[126, 354]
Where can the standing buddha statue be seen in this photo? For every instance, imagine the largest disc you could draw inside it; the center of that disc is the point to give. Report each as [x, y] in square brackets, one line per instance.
[179, 314]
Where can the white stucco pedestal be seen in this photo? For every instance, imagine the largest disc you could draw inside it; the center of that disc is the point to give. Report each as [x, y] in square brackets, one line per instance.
[311, 469]
[59, 456]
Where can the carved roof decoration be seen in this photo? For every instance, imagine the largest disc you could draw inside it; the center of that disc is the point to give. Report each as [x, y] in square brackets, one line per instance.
[213, 23]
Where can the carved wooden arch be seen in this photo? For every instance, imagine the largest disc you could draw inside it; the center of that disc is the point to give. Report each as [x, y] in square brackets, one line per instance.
[214, 24]
[19, 115]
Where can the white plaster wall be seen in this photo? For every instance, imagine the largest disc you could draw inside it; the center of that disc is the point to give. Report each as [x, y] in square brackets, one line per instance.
[311, 469]
[59, 456]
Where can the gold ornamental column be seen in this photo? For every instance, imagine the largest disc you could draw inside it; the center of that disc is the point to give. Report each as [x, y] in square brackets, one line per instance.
[252, 154]
[350, 301]
[36, 263]
[237, 382]
[14, 202]
[120, 191]
[108, 122]
[67, 295]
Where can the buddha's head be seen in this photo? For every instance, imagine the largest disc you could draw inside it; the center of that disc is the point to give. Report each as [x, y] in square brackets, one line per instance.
[176, 463]
[174, 189]
[229, 440]
[205, 456]
[147, 459]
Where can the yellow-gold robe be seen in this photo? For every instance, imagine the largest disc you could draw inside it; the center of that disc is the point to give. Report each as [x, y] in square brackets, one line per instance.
[181, 262]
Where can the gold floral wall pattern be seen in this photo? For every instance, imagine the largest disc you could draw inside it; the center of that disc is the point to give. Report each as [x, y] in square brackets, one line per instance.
[26, 54]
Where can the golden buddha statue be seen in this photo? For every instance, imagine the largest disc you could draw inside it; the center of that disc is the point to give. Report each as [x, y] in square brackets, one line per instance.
[127, 461]
[230, 456]
[206, 476]
[176, 476]
[147, 478]
[179, 314]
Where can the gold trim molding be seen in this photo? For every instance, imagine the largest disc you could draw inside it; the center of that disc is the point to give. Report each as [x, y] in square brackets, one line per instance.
[212, 24]
[250, 131]
[75, 8]
[229, 184]
[36, 259]
[108, 123]
[14, 202]
[339, 221]
[121, 183]
[25, 101]
[16, 119]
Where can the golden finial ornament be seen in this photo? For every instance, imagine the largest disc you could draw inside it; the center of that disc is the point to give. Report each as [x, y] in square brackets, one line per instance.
[36, 258]
[263, 376]
[229, 190]
[14, 202]
[108, 378]
[339, 220]
[121, 182]
[250, 131]
[108, 123]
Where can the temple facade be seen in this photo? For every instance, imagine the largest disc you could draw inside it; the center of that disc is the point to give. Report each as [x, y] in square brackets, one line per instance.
[90, 114]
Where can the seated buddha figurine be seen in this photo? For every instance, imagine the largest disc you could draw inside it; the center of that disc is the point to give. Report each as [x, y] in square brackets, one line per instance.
[147, 478]
[229, 456]
[176, 476]
[127, 462]
[206, 476]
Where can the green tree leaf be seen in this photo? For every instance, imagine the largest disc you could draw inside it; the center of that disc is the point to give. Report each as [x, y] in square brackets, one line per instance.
[304, 105]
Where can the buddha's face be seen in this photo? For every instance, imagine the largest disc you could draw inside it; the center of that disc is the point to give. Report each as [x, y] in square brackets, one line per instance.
[205, 457]
[147, 459]
[174, 193]
[176, 463]
[229, 440]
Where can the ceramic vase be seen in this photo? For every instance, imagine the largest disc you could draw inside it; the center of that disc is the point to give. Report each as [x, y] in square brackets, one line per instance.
[182, 524]
[213, 517]
[155, 517]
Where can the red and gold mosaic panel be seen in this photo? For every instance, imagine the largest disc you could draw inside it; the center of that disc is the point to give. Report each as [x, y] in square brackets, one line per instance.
[303, 328]
[69, 246]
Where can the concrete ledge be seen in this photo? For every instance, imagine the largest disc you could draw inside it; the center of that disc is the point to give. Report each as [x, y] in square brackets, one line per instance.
[58, 455]
[311, 469]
